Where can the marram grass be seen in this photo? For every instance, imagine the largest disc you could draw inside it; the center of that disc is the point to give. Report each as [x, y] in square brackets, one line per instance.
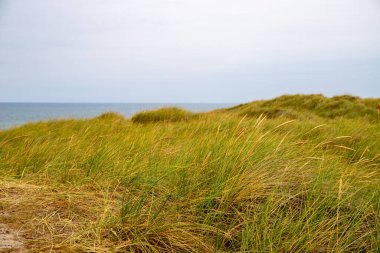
[223, 181]
[166, 114]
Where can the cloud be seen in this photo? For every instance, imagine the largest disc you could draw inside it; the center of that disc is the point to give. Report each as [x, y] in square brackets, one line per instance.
[178, 50]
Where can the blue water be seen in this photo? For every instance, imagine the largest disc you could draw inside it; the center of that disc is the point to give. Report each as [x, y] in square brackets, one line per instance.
[14, 114]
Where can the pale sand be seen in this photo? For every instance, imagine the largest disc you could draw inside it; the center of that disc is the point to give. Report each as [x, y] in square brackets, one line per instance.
[10, 240]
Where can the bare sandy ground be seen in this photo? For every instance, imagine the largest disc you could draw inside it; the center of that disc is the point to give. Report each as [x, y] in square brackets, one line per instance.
[10, 240]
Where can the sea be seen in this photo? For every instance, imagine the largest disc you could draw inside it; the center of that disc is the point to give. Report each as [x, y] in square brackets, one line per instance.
[16, 114]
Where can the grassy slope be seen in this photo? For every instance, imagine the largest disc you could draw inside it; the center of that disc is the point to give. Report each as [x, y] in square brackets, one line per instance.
[231, 180]
[311, 106]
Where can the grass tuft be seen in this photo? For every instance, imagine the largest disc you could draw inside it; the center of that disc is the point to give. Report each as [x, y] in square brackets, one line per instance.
[111, 116]
[166, 114]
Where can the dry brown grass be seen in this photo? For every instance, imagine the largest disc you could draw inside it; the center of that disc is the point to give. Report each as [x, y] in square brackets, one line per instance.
[57, 218]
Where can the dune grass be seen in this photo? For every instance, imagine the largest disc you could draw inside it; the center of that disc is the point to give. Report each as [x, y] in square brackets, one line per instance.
[307, 106]
[168, 114]
[221, 182]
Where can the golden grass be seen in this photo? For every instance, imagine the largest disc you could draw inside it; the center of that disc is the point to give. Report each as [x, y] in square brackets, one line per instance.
[220, 182]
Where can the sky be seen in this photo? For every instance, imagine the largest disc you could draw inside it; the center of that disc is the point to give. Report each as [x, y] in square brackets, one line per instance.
[187, 51]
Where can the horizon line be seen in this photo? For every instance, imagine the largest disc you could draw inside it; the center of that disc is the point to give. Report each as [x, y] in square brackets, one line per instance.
[87, 102]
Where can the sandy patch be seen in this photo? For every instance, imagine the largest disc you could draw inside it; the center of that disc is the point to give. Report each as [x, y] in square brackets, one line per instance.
[10, 240]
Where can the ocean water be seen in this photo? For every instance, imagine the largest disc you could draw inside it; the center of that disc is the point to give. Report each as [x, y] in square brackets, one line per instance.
[14, 114]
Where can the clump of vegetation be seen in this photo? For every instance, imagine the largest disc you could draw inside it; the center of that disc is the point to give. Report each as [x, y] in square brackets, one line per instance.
[222, 182]
[271, 113]
[111, 116]
[168, 114]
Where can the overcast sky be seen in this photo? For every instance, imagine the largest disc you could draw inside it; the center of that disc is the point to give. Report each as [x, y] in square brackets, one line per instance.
[187, 50]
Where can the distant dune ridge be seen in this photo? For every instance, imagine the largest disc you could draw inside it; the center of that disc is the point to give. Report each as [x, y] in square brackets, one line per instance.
[298, 173]
[304, 106]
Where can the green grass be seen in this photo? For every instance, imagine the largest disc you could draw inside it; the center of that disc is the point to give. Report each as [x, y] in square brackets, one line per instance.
[311, 106]
[224, 181]
[168, 114]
